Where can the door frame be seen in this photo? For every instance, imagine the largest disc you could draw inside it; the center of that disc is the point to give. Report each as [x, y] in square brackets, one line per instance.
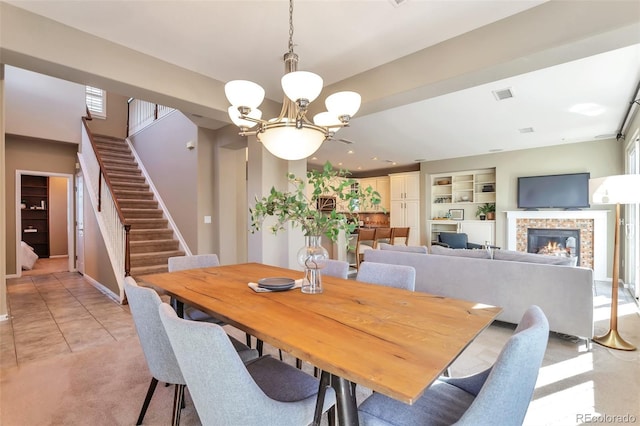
[70, 214]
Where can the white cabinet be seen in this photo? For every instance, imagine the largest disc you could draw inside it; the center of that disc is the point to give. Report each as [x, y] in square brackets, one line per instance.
[405, 203]
[462, 191]
[478, 231]
[381, 185]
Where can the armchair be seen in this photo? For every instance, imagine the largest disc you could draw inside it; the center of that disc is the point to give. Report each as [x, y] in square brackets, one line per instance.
[456, 240]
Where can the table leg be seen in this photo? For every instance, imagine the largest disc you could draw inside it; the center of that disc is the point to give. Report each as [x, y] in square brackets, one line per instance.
[346, 404]
[178, 306]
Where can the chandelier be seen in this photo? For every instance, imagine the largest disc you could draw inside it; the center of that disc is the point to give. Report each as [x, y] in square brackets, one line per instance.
[291, 135]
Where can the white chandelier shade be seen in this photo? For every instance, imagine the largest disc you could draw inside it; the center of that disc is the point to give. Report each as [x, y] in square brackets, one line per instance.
[343, 103]
[301, 85]
[289, 143]
[245, 93]
[326, 119]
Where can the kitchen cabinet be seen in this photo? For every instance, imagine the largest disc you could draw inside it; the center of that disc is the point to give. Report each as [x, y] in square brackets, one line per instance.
[381, 185]
[405, 203]
[34, 213]
[478, 231]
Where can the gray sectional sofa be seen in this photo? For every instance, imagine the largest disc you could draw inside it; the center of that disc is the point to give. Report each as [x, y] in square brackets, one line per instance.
[564, 293]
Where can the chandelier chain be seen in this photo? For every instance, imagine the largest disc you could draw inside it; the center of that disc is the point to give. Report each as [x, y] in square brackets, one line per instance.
[290, 26]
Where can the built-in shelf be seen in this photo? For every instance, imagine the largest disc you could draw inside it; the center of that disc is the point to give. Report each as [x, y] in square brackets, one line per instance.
[34, 193]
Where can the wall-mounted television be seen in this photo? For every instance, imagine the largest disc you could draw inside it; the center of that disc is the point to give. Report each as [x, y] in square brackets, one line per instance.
[567, 191]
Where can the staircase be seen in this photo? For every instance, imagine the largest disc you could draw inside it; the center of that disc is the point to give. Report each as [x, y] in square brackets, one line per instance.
[151, 239]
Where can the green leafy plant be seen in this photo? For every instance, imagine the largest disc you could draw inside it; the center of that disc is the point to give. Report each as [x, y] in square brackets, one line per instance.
[485, 209]
[300, 206]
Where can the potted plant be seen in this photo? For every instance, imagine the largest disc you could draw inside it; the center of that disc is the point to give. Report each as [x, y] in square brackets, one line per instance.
[486, 211]
[301, 208]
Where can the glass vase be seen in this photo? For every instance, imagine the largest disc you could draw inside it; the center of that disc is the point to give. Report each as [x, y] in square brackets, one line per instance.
[312, 257]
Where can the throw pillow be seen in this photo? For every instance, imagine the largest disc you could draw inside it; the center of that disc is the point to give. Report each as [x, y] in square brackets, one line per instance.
[517, 256]
[444, 251]
[454, 240]
[408, 249]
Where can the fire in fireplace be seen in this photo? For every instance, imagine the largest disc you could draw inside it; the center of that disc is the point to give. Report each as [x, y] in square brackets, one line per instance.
[554, 242]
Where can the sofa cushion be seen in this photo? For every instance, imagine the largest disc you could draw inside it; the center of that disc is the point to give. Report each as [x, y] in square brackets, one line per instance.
[475, 253]
[517, 256]
[408, 249]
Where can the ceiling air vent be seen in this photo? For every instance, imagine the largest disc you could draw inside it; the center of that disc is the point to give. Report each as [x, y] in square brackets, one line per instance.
[502, 94]
[526, 130]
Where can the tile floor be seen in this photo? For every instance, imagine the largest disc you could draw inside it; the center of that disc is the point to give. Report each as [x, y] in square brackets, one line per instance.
[58, 313]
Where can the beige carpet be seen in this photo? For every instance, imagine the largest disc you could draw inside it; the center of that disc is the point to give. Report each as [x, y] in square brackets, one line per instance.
[101, 386]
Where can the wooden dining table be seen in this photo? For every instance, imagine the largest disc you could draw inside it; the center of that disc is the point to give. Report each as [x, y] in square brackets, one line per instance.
[392, 341]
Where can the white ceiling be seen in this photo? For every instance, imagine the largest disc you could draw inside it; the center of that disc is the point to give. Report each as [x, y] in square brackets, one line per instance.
[228, 40]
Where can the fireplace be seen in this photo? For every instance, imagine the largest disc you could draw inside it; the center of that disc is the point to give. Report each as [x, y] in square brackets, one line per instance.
[591, 243]
[554, 242]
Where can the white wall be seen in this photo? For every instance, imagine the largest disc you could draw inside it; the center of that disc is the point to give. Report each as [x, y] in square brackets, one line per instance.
[55, 105]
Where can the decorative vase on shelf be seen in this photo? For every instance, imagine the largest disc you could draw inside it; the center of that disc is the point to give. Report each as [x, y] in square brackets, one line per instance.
[312, 257]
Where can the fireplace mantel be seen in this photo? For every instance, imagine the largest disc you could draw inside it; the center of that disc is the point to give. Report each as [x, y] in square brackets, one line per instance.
[599, 242]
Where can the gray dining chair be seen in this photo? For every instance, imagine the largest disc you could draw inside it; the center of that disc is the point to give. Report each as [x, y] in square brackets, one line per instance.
[398, 276]
[182, 263]
[264, 391]
[336, 268]
[162, 363]
[195, 261]
[499, 395]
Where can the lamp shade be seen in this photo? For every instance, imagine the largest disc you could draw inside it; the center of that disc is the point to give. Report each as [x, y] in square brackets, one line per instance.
[301, 85]
[326, 119]
[618, 189]
[244, 93]
[343, 103]
[234, 115]
[290, 143]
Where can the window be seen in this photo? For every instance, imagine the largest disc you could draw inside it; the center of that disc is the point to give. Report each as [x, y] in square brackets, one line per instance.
[96, 101]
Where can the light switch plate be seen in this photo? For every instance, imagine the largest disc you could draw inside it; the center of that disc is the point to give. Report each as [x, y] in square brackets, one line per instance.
[207, 219]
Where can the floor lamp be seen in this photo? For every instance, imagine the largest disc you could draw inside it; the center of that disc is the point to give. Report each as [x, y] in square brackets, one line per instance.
[620, 189]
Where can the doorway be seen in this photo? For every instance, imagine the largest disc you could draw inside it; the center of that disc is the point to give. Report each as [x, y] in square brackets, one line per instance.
[68, 181]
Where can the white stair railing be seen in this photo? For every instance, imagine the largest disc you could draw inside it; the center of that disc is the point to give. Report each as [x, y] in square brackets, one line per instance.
[143, 113]
[112, 224]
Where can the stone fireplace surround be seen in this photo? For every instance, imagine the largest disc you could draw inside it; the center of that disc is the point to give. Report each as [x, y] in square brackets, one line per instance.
[591, 223]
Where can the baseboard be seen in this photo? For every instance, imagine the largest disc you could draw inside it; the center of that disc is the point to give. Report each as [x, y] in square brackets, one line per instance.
[106, 291]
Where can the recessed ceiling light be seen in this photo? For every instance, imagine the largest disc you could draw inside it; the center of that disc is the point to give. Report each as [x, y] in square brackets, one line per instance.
[339, 164]
[502, 94]
[314, 158]
[359, 167]
[589, 109]
[526, 130]
[374, 158]
[350, 151]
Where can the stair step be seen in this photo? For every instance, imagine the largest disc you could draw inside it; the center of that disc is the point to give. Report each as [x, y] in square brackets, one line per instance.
[115, 155]
[138, 234]
[146, 270]
[142, 213]
[119, 177]
[147, 223]
[113, 147]
[153, 258]
[109, 138]
[128, 203]
[119, 162]
[129, 186]
[122, 169]
[137, 195]
[140, 247]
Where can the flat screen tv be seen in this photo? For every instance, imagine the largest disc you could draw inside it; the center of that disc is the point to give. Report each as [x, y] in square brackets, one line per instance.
[567, 191]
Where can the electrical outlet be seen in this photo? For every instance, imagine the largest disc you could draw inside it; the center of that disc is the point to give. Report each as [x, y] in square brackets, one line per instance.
[207, 219]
